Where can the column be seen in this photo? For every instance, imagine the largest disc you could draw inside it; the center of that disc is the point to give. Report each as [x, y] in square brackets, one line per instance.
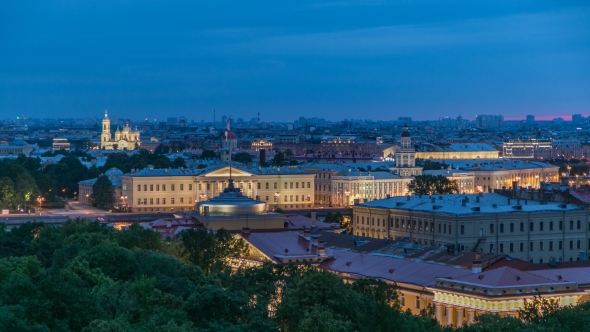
[470, 316]
[439, 313]
[459, 317]
[206, 184]
[449, 309]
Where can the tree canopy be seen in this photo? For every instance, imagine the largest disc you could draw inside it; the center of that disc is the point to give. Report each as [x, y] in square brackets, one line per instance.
[102, 192]
[433, 184]
[84, 276]
[242, 157]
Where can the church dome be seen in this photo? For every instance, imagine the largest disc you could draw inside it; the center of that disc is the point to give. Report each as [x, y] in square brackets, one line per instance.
[230, 135]
[406, 133]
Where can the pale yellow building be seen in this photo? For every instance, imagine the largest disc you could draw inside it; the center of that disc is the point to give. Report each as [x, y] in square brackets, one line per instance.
[173, 190]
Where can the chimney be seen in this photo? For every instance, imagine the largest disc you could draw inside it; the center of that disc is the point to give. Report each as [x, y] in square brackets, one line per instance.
[262, 156]
[246, 230]
[313, 217]
[307, 233]
[315, 240]
[168, 223]
[301, 231]
[321, 249]
[476, 268]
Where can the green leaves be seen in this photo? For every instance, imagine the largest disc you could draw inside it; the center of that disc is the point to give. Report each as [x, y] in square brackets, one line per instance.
[431, 184]
[102, 192]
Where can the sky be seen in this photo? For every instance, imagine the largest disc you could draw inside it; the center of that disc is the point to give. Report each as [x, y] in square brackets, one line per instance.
[364, 59]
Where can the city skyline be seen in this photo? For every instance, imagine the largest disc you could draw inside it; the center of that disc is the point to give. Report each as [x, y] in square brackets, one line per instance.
[350, 59]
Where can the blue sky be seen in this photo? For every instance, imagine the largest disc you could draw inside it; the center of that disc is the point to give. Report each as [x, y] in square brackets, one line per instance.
[338, 59]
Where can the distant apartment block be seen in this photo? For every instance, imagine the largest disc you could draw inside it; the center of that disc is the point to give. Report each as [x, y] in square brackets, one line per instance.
[489, 121]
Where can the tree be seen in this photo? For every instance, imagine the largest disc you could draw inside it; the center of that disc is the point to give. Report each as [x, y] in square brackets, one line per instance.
[161, 162]
[208, 154]
[431, 184]
[26, 189]
[179, 162]
[279, 159]
[102, 192]
[162, 149]
[242, 157]
[7, 193]
[209, 249]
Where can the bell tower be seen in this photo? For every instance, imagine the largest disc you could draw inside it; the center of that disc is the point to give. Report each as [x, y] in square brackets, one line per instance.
[105, 137]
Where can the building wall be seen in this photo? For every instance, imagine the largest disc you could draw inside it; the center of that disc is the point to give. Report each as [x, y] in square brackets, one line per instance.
[447, 155]
[531, 237]
[496, 179]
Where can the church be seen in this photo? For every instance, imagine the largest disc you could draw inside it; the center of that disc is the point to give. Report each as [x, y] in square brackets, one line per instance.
[125, 139]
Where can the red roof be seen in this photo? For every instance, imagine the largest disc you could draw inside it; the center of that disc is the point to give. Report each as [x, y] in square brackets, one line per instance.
[505, 277]
[580, 275]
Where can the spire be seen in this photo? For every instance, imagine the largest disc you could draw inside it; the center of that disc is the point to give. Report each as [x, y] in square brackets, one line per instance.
[106, 114]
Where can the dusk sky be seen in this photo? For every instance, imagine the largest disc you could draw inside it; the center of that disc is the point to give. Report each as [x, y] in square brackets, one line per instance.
[342, 59]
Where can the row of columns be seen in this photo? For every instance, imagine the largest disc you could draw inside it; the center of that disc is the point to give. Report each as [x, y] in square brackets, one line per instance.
[449, 318]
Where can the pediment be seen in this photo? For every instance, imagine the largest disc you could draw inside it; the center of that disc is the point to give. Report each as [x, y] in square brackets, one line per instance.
[224, 172]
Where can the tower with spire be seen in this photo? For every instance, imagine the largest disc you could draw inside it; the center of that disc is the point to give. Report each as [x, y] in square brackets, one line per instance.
[405, 156]
[124, 140]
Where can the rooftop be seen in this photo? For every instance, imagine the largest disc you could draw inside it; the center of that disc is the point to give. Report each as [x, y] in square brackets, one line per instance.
[475, 204]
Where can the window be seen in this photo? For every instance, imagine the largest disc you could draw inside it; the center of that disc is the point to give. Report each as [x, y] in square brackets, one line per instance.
[560, 244]
[145, 187]
[190, 186]
[182, 186]
[511, 247]
[163, 200]
[439, 227]
[139, 201]
[531, 226]
[561, 225]
[151, 187]
[200, 187]
[291, 198]
[151, 201]
[531, 248]
[445, 228]
[521, 246]
[572, 244]
[373, 221]
[501, 247]
[181, 200]
[402, 300]
[157, 201]
[511, 227]
[450, 232]
[172, 187]
[462, 229]
[417, 302]
[296, 185]
[541, 226]
[145, 201]
[308, 185]
[578, 244]
[267, 185]
[275, 185]
[285, 198]
[541, 245]
[139, 187]
[501, 229]
[491, 228]
[296, 198]
[550, 245]
[157, 187]
[266, 199]
[522, 227]
[491, 248]
[550, 225]
[579, 224]
[163, 187]
[285, 185]
[172, 200]
[124, 187]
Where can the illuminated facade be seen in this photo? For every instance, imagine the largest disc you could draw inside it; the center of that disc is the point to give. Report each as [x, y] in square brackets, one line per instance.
[125, 139]
[260, 144]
